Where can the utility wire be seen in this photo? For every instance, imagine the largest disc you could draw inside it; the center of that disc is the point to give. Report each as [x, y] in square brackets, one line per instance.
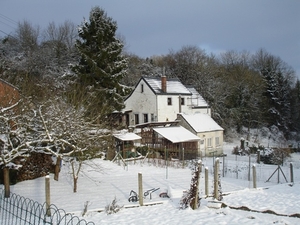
[8, 19]
[7, 22]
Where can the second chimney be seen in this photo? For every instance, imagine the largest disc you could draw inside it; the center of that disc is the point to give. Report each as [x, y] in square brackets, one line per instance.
[164, 83]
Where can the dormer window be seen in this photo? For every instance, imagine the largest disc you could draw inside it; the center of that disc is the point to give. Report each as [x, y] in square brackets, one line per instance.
[142, 88]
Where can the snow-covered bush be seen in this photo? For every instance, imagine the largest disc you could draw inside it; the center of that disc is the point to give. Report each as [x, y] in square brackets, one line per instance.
[274, 156]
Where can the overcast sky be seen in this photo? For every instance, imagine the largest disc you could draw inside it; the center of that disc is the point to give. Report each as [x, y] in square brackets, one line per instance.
[154, 27]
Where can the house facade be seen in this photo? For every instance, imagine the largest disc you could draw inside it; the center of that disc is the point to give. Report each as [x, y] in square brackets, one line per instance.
[210, 133]
[158, 99]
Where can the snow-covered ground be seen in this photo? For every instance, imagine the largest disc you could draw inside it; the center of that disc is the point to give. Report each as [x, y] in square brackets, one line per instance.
[101, 181]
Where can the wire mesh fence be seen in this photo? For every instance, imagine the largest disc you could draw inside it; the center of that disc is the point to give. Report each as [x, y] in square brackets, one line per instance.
[23, 211]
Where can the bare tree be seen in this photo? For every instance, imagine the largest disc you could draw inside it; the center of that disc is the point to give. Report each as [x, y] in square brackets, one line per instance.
[60, 41]
[27, 35]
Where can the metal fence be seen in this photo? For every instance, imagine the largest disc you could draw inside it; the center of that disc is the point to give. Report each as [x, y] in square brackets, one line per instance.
[18, 210]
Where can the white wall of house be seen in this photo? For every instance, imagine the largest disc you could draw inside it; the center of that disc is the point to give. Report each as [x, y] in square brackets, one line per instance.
[200, 110]
[142, 102]
[179, 104]
[168, 107]
[211, 143]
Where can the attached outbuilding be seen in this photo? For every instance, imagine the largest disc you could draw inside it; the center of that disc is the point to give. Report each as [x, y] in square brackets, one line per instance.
[210, 133]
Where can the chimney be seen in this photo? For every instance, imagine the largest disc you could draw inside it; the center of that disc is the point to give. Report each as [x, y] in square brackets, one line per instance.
[164, 81]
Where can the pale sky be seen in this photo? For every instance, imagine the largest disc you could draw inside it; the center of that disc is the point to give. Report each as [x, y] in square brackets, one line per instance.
[154, 27]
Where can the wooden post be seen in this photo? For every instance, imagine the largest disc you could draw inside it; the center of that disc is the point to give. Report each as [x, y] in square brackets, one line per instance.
[206, 181]
[254, 175]
[182, 157]
[57, 167]
[166, 161]
[249, 170]
[140, 180]
[292, 172]
[6, 182]
[278, 175]
[223, 165]
[47, 190]
[216, 179]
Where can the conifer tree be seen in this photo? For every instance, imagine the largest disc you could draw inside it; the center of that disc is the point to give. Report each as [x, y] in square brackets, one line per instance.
[102, 65]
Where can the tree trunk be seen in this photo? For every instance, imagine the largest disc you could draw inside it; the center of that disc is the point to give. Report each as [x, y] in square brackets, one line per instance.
[6, 182]
[75, 178]
[57, 168]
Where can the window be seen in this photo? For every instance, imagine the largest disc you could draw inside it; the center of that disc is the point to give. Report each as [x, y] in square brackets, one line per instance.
[145, 118]
[217, 141]
[142, 88]
[209, 142]
[182, 101]
[136, 118]
[169, 101]
[152, 117]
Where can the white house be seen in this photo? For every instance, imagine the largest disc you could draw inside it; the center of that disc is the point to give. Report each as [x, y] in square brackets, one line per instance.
[160, 99]
[210, 133]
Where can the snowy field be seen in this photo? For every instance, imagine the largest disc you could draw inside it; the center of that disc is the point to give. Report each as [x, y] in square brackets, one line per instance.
[101, 181]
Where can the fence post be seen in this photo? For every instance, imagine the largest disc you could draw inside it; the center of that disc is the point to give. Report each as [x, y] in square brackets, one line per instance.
[292, 172]
[206, 181]
[140, 180]
[216, 179]
[47, 189]
[254, 175]
[182, 157]
[249, 171]
[6, 182]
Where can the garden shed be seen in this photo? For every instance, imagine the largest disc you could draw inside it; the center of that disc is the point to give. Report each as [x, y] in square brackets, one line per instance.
[126, 143]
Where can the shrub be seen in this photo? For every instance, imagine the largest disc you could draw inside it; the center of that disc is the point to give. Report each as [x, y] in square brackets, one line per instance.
[113, 207]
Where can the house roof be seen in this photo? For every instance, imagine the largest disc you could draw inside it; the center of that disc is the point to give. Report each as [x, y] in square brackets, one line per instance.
[176, 134]
[201, 122]
[127, 136]
[174, 86]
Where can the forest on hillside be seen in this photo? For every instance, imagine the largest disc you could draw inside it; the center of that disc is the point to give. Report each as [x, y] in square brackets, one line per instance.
[244, 89]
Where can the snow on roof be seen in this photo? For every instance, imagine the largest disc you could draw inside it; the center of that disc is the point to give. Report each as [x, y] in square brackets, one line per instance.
[176, 134]
[127, 136]
[174, 86]
[197, 99]
[201, 122]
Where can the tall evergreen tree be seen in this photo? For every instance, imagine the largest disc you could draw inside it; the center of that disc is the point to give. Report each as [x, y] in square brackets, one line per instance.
[102, 65]
[278, 78]
[295, 107]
